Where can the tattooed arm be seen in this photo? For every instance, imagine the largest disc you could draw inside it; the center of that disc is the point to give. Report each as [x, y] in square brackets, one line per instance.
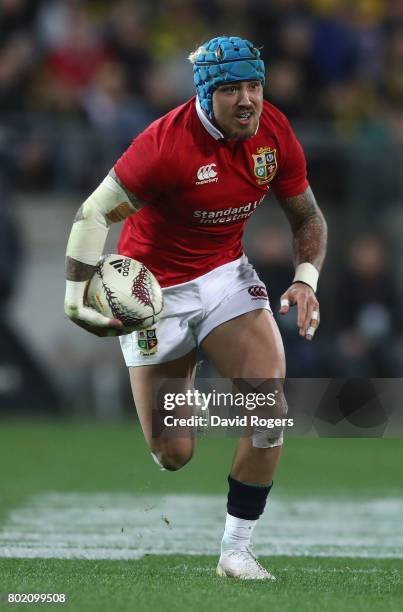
[309, 240]
[110, 203]
[308, 227]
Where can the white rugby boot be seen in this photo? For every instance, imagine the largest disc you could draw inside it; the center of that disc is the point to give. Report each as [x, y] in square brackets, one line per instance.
[241, 564]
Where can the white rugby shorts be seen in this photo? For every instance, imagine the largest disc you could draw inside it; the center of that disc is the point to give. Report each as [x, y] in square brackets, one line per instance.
[193, 309]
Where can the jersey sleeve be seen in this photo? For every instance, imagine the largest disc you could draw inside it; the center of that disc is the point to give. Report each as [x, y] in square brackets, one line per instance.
[291, 179]
[144, 168]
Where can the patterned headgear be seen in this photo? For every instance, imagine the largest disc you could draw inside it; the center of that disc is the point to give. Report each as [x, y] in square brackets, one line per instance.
[224, 59]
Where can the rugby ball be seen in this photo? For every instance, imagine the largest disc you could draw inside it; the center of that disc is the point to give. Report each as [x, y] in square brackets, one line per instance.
[123, 288]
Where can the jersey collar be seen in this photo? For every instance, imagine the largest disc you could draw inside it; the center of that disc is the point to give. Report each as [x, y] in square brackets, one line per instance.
[212, 130]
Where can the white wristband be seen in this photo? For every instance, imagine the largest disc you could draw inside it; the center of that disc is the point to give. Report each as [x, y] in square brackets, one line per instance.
[308, 274]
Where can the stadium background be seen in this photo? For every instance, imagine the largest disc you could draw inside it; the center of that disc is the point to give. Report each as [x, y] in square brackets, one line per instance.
[78, 80]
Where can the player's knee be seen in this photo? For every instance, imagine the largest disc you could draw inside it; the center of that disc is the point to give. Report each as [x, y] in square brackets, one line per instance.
[271, 435]
[281, 405]
[172, 458]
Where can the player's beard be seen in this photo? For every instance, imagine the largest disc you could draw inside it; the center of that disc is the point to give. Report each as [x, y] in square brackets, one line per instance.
[233, 130]
[247, 131]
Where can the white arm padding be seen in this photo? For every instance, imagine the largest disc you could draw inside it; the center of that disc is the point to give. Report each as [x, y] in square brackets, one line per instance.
[109, 203]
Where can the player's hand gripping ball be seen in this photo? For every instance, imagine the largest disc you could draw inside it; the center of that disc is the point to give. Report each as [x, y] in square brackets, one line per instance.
[123, 288]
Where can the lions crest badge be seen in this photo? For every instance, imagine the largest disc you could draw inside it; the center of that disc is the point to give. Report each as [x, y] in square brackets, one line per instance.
[265, 164]
[147, 342]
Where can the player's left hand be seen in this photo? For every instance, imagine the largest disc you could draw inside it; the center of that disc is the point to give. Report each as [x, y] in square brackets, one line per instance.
[308, 308]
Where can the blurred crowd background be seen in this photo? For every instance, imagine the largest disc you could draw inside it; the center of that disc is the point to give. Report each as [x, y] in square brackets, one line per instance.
[78, 80]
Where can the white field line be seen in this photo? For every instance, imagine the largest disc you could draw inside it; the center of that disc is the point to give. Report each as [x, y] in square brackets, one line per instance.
[127, 526]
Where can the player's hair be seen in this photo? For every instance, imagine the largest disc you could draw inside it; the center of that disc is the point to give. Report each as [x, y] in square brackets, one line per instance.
[194, 55]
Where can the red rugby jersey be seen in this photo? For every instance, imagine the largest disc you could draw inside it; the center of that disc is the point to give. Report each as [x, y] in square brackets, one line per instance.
[200, 189]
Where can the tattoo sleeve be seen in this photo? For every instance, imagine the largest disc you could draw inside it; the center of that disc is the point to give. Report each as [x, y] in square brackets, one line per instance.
[308, 226]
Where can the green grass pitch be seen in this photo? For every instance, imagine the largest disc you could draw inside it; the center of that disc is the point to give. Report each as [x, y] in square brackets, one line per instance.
[42, 458]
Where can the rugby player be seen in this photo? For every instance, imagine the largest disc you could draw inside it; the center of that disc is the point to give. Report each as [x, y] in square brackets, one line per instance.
[186, 187]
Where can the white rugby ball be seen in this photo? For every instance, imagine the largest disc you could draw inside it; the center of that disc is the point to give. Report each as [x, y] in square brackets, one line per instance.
[123, 288]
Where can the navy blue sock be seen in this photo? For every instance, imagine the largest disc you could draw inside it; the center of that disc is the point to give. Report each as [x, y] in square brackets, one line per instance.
[246, 501]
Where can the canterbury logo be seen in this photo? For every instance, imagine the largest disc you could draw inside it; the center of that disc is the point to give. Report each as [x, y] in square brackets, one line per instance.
[257, 291]
[205, 173]
[122, 266]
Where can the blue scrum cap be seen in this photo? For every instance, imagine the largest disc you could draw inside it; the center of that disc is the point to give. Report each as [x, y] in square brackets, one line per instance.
[224, 59]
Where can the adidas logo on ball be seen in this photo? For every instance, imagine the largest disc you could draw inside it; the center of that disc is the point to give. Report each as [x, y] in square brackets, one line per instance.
[122, 266]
